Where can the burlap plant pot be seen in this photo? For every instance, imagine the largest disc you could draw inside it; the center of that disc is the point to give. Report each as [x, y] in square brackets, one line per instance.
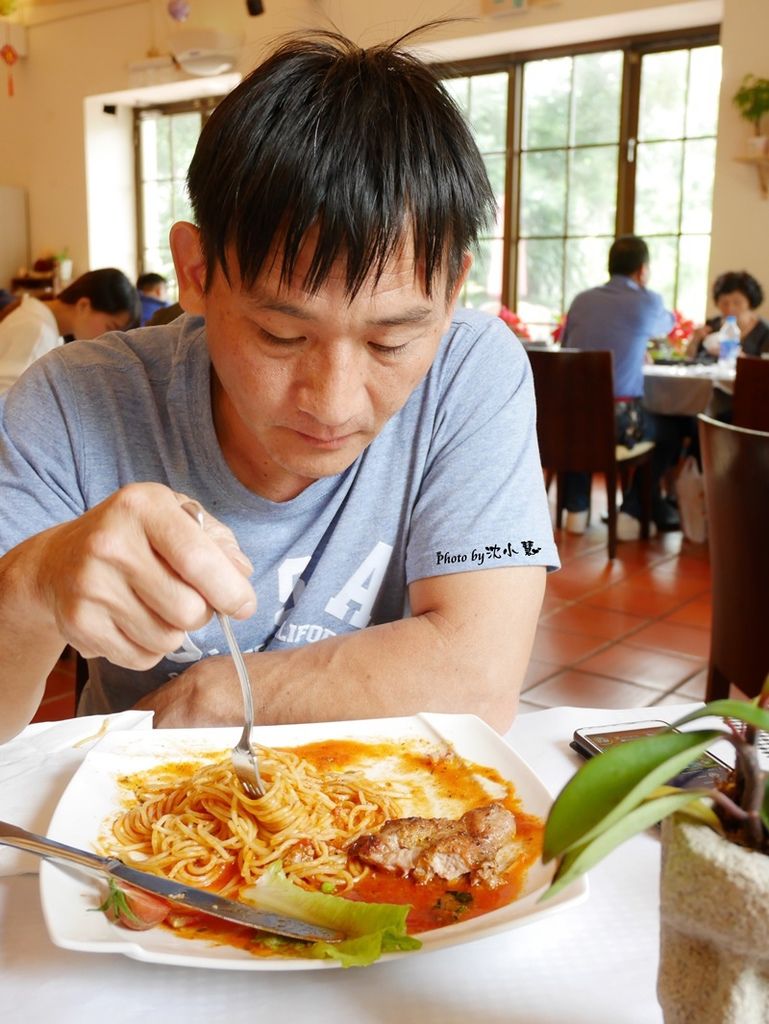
[714, 920]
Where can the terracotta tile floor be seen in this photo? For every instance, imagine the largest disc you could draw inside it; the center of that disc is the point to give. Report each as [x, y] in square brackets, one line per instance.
[628, 634]
[634, 633]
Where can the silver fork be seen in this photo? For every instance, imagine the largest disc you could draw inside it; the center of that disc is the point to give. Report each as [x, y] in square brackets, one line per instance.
[244, 760]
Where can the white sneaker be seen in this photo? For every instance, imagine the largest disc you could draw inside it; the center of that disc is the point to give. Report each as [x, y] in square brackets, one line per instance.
[629, 528]
[576, 522]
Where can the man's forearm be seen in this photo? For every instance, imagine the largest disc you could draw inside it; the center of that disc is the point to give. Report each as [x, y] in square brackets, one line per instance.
[398, 668]
[422, 663]
[30, 645]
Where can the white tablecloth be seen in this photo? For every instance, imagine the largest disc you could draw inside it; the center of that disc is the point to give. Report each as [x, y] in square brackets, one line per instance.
[594, 963]
[683, 390]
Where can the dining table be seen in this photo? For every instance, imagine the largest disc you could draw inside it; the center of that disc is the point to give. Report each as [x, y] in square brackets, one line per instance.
[682, 389]
[591, 962]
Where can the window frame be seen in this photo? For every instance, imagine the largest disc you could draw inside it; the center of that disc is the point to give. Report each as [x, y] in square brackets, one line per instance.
[205, 106]
[633, 48]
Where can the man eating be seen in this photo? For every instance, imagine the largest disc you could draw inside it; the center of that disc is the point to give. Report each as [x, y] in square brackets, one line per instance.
[365, 452]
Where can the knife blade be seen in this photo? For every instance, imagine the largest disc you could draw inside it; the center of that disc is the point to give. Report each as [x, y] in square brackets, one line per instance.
[182, 895]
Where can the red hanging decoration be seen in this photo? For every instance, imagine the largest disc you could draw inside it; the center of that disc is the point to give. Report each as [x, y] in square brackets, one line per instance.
[10, 55]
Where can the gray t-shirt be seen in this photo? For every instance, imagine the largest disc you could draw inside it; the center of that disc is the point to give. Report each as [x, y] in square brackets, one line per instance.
[451, 484]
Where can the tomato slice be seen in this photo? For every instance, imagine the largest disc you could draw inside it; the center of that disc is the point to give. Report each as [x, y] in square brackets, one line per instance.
[134, 908]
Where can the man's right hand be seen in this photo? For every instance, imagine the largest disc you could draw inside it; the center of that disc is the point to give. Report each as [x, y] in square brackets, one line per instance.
[128, 578]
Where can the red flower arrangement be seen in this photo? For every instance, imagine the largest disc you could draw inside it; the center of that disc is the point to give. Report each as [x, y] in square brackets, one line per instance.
[515, 323]
[557, 332]
[681, 332]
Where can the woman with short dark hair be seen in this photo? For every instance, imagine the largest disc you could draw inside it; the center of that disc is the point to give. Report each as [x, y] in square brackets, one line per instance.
[735, 293]
[96, 302]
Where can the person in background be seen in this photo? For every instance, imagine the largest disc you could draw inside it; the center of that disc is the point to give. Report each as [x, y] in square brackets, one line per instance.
[97, 302]
[153, 293]
[367, 449]
[622, 316]
[735, 293]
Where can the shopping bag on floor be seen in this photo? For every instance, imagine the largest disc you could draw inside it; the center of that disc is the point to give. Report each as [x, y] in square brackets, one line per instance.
[690, 491]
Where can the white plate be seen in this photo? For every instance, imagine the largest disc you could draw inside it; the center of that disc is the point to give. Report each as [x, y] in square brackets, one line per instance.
[93, 795]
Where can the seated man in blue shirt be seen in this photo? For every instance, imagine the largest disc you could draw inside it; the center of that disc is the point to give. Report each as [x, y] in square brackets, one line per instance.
[153, 292]
[622, 316]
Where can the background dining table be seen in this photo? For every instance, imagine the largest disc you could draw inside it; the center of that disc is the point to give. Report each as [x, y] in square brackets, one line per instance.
[681, 390]
[592, 962]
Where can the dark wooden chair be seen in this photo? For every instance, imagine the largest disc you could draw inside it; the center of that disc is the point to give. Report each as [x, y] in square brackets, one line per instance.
[576, 430]
[735, 465]
[751, 394]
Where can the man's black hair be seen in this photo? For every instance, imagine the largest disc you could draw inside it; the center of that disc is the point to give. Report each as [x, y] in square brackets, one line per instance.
[627, 255]
[365, 144]
[739, 281]
[108, 290]
[150, 280]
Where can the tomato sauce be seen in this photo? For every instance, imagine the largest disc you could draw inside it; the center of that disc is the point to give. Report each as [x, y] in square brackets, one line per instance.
[438, 903]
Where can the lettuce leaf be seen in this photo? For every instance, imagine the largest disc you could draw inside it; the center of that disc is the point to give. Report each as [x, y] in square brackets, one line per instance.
[373, 928]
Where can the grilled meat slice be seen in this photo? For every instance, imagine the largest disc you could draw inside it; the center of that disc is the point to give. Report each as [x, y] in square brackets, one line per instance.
[481, 843]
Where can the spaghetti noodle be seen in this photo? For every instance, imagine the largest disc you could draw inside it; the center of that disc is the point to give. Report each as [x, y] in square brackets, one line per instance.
[196, 825]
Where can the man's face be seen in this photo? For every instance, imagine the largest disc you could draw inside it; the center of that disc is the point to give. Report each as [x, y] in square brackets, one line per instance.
[303, 383]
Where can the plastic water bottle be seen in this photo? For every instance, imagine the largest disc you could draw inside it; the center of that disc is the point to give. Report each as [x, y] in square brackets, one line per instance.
[728, 343]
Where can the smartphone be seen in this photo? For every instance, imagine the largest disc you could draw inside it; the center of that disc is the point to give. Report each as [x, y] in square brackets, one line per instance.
[705, 771]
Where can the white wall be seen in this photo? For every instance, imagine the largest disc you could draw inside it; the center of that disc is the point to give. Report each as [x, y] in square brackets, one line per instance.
[110, 187]
[73, 58]
[14, 247]
[740, 213]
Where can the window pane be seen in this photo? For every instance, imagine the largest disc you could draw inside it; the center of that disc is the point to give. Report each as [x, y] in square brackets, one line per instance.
[182, 208]
[483, 286]
[663, 254]
[156, 210]
[488, 111]
[586, 265]
[597, 84]
[663, 95]
[540, 276]
[185, 129]
[459, 90]
[693, 254]
[543, 193]
[699, 168]
[156, 148]
[593, 190]
[658, 187]
[704, 89]
[546, 96]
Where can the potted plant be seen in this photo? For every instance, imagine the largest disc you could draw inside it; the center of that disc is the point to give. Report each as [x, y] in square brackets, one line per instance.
[752, 101]
[714, 889]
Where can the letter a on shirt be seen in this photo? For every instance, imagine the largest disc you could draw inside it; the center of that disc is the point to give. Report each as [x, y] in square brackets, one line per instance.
[361, 589]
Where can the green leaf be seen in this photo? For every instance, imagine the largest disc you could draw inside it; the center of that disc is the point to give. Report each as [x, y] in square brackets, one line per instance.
[743, 711]
[613, 783]
[373, 928]
[116, 903]
[582, 858]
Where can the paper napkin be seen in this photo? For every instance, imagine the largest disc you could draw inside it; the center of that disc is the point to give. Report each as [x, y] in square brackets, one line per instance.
[36, 767]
